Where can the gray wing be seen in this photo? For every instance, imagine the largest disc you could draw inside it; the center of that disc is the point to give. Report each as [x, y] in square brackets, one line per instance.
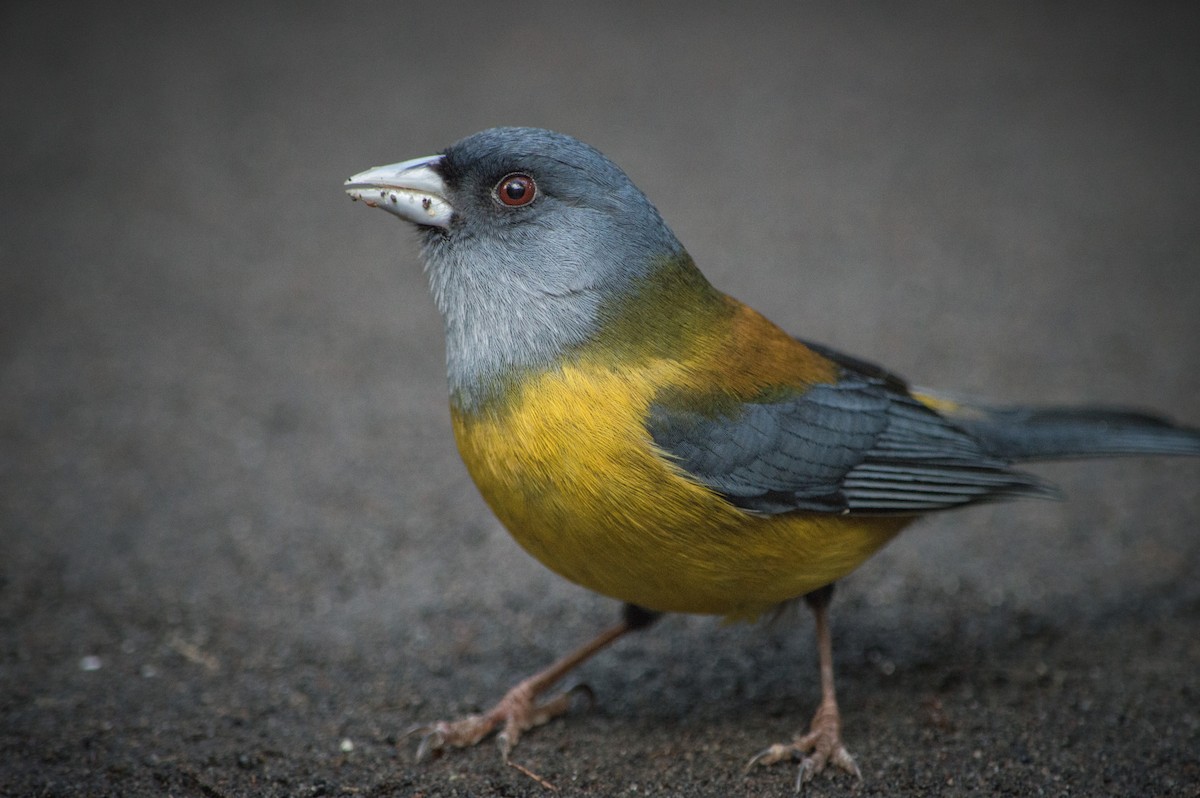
[861, 445]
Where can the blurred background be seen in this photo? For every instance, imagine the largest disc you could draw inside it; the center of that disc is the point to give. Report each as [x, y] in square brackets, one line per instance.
[239, 554]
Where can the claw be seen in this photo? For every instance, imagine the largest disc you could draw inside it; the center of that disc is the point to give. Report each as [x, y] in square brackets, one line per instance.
[841, 758]
[413, 731]
[770, 755]
[433, 739]
[810, 766]
[432, 743]
[815, 763]
[804, 776]
[507, 739]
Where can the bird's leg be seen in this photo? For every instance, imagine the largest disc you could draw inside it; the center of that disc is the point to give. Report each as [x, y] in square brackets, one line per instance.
[519, 710]
[822, 745]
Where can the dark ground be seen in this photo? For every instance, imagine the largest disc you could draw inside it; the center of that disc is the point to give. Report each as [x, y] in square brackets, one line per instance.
[239, 554]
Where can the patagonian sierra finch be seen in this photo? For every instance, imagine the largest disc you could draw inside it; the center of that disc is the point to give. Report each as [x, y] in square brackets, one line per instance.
[650, 438]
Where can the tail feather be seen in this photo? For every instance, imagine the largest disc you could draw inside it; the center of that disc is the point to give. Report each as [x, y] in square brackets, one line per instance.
[1050, 433]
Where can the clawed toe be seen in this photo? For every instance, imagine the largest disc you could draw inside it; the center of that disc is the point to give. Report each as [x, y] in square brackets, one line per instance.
[519, 710]
[433, 742]
[514, 714]
[817, 761]
[842, 760]
[816, 750]
[771, 755]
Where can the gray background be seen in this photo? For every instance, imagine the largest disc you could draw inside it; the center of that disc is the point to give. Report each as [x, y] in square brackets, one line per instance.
[227, 472]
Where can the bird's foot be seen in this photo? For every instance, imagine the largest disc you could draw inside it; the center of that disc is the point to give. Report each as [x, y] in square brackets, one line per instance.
[820, 747]
[514, 714]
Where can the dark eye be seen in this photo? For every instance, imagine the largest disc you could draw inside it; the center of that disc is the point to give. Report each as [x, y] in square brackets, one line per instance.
[516, 190]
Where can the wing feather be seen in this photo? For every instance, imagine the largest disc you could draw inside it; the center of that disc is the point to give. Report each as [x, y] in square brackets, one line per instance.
[860, 445]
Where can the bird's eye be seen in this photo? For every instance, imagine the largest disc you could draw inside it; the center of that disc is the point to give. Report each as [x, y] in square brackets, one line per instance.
[516, 190]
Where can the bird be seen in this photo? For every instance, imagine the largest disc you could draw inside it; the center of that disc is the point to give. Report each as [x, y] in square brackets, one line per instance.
[650, 438]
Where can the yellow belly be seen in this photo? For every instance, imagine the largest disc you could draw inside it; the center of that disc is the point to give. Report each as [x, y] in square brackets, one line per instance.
[569, 469]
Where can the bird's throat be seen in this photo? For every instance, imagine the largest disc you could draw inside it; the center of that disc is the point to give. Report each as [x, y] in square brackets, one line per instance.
[495, 339]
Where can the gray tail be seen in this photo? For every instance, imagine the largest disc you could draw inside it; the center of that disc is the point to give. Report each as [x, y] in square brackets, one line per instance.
[1051, 433]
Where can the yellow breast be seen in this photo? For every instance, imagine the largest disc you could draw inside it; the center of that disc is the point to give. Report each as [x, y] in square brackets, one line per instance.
[568, 467]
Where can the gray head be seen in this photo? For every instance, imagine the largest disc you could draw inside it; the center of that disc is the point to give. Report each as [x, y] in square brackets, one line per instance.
[526, 234]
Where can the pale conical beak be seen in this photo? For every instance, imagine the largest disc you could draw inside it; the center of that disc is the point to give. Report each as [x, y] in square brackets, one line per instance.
[413, 190]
